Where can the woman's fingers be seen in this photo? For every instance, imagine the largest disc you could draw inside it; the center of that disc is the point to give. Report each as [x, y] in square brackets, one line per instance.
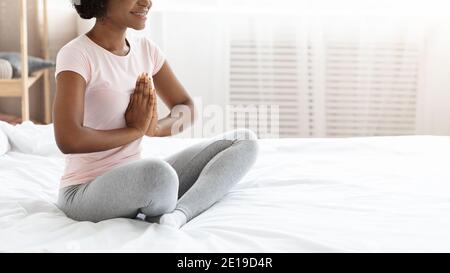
[145, 98]
[151, 101]
[152, 84]
[153, 91]
[130, 103]
[132, 95]
[140, 91]
[139, 87]
[144, 95]
[154, 100]
[147, 85]
[137, 82]
[153, 108]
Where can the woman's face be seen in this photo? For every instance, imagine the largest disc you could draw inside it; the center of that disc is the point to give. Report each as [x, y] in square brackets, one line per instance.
[128, 13]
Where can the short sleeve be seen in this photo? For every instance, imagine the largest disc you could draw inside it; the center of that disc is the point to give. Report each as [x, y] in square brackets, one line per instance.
[72, 59]
[158, 57]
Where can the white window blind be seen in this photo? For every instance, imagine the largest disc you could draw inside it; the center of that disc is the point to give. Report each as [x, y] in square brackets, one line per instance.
[324, 85]
[266, 73]
[371, 89]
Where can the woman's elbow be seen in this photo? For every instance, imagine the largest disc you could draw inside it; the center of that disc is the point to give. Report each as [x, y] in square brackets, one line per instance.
[65, 148]
[193, 110]
[67, 145]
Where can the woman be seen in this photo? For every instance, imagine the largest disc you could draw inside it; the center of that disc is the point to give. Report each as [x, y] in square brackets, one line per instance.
[101, 113]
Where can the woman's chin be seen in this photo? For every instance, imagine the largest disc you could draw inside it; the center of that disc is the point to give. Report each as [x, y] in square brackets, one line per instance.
[137, 27]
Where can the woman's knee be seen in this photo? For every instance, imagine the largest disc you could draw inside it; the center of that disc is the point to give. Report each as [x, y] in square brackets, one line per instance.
[248, 138]
[250, 148]
[239, 134]
[159, 175]
[245, 134]
[157, 178]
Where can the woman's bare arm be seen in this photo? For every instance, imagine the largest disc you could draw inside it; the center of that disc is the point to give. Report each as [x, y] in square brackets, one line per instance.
[68, 114]
[173, 95]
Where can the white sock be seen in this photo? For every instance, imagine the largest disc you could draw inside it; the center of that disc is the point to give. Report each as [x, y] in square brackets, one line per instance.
[175, 219]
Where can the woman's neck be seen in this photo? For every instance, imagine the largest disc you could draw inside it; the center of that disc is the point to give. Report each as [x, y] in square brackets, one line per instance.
[110, 37]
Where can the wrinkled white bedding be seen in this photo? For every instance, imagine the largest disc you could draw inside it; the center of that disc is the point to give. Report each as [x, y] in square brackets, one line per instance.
[385, 194]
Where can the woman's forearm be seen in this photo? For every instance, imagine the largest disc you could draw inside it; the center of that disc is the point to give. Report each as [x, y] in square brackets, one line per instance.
[88, 140]
[165, 126]
[181, 117]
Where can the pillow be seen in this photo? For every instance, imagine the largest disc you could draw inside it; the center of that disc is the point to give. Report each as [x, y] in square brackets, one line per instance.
[6, 70]
[34, 63]
[4, 142]
[30, 138]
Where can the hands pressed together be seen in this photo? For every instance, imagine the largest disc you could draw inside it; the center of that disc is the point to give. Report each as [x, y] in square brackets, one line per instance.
[141, 113]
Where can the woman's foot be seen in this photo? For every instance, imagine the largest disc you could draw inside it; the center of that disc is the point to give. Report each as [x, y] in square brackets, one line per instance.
[175, 219]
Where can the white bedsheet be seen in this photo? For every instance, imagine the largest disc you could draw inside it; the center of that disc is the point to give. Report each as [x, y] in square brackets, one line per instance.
[385, 194]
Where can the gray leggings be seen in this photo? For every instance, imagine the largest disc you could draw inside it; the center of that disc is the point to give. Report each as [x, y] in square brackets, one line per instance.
[191, 181]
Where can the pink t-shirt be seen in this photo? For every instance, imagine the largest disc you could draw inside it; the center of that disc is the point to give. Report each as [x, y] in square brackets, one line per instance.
[110, 79]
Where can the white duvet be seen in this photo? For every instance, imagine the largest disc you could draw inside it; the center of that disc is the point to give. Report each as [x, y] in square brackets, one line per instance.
[380, 194]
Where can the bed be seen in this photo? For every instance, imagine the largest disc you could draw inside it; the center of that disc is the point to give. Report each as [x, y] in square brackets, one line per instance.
[369, 194]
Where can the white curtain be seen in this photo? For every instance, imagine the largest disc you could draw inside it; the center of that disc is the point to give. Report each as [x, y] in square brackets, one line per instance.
[335, 68]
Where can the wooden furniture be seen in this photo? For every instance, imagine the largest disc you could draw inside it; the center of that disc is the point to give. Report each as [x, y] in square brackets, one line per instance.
[20, 87]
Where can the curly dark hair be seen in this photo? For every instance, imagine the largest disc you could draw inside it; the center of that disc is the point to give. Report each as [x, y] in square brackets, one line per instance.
[88, 9]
